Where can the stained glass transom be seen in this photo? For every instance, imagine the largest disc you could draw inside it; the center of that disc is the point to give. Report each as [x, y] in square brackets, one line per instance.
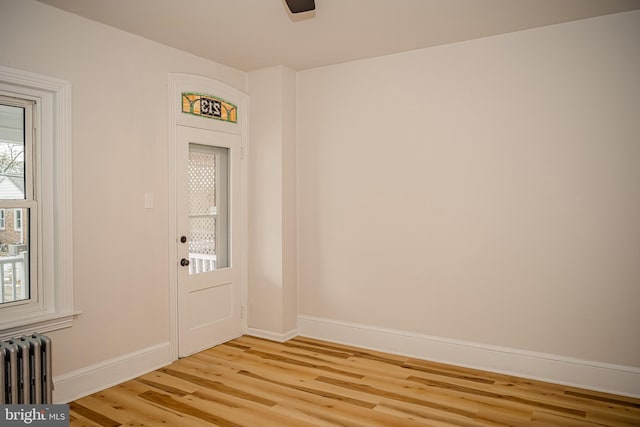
[209, 106]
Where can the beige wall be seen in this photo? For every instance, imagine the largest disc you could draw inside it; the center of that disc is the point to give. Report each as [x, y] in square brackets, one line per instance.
[290, 202]
[485, 191]
[272, 201]
[265, 200]
[120, 114]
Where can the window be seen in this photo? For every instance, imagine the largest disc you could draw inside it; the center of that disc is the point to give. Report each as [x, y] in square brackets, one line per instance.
[16, 189]
[35, 204]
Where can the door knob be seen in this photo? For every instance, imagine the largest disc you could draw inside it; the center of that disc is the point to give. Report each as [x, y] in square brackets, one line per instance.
[184, 262]
[183, 239]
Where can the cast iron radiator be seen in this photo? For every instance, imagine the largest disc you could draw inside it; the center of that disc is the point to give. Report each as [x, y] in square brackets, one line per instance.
[25, 370]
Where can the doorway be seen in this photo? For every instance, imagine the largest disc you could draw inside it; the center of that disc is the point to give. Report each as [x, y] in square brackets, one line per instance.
[207, 220]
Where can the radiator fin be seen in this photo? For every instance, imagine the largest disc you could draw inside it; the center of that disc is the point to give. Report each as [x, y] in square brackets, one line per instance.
[25, 370]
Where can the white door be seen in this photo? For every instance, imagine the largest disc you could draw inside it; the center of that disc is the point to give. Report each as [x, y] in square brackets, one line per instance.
[208, 229]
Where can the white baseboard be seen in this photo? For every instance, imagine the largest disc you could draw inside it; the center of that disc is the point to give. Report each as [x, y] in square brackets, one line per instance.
[85, 381]
[617, 379]
[273, 336]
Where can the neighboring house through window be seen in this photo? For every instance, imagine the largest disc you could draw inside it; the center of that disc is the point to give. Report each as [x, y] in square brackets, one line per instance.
[17, 219]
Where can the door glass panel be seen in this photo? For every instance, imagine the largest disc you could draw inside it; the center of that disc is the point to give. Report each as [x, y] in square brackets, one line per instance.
[208, 210]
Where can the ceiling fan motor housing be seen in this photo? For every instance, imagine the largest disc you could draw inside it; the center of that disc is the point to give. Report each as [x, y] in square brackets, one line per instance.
[298, 6]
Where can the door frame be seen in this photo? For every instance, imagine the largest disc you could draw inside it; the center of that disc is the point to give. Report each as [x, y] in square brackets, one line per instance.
[178, 83]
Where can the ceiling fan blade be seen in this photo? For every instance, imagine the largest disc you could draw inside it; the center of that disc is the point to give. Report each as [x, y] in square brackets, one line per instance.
[297, 6]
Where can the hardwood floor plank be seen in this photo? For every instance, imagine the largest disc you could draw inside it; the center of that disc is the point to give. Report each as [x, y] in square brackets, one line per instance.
[309, 409]
[500, 396]
[314, 391]
[342, 414]
[273, 383]
[79, 421]
[92, 415]
[297, 362]
[133, 410]
[218, 386]
[427, 416]
[374, 368]
[447, 374]
[443, 397]
[547, 419]
[314, 418]
[606, 399]
[163, 387]
[318, 349]
[306, 382]
[237, 410]
[112, 403]
[265, 350]
[391, 359]
[612, 419]
[257, 364]
[363, 388]
[169, 402]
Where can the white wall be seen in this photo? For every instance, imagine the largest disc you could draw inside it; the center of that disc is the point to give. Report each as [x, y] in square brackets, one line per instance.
[290, 202]
[272, 203]
[120, 120]
[485, 191]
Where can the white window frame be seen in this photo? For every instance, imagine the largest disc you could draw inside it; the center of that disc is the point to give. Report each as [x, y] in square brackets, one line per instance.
[52, 308]
[3, 218]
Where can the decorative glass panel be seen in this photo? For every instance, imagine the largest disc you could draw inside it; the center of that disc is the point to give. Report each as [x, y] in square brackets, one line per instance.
[209, 106]
[208, 182]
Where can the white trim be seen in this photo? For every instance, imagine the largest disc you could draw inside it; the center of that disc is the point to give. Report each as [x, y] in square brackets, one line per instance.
[195, 83]
[41, 324]
[272, 336]
[88, 380]
[55, 266]
[618, 379]
[172, 137]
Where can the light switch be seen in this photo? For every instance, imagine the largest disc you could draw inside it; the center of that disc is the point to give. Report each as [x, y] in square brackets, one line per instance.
[148, 200]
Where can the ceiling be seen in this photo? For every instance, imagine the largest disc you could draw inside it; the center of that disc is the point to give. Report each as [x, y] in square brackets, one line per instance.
[253, 34]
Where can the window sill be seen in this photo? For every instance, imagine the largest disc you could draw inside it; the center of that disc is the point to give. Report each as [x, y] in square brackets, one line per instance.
[40, 324]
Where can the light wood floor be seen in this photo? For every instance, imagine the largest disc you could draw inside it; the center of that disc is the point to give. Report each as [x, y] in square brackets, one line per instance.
[306, 382]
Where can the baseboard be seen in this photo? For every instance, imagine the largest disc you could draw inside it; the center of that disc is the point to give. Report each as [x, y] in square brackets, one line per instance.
[85, 381]
[273, 336]
[621, 380]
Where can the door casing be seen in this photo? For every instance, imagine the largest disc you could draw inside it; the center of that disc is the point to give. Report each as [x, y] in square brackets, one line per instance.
[179, 83]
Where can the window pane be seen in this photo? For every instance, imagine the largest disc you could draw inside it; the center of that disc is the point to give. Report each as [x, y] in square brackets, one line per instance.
[12, 136]
[14, 256]
[208, 208]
